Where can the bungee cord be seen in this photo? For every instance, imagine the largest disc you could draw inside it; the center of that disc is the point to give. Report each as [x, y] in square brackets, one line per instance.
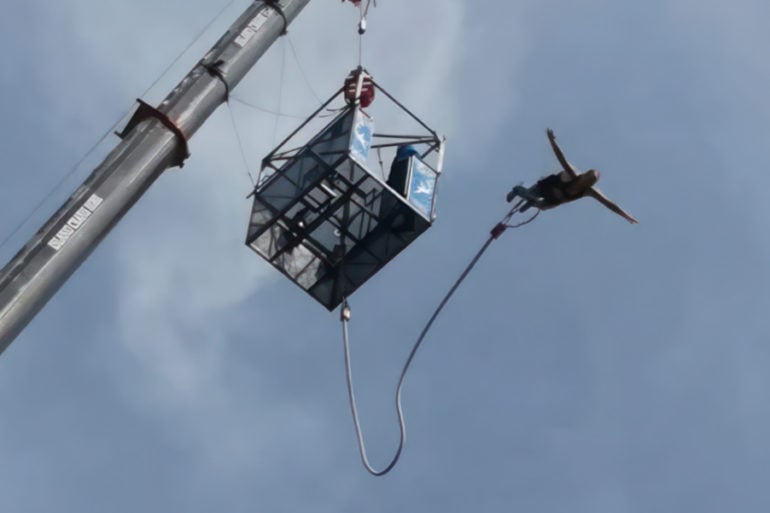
[345, 314]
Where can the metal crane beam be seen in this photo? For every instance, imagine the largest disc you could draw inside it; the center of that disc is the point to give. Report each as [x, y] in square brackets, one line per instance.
[154, 140]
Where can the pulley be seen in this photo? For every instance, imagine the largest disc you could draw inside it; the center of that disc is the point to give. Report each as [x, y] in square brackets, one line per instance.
[366, 93]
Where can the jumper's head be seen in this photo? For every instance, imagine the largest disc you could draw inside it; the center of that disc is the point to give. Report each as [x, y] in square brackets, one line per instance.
[405, 151]
[593, 176]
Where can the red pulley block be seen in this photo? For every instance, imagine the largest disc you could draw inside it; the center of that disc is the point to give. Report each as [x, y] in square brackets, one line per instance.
[367, 88]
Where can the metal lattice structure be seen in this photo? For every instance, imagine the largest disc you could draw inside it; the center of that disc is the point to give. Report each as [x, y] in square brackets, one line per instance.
[323, 215]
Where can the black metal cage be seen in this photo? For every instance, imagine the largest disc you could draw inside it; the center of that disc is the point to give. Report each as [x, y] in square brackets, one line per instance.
[326, 217]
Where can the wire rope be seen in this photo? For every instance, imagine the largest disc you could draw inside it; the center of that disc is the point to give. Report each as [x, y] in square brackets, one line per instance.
[361, 30]
[247, 103]
[240, 145]
[302, 71]
[280, 94]
[59, 184]
[198, 36]
[75, 167]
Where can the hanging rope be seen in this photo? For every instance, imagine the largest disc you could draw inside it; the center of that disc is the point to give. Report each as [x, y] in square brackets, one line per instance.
[363, 10]
[247, 103]
[189, 46]
[280, 93]
[61, 182]
[345, 313]
[361, 31]
[240, 145]
[302, 72]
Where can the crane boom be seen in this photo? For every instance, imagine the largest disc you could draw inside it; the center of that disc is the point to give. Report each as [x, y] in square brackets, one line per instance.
[154, 140]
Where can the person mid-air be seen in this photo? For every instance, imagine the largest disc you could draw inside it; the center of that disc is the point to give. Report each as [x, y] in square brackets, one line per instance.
[565, 186]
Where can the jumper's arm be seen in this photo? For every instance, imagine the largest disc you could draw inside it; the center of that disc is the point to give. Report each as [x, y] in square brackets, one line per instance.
[604, 200]
[560, 155]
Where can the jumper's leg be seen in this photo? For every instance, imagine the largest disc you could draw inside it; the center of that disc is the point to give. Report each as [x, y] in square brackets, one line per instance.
[523, 192]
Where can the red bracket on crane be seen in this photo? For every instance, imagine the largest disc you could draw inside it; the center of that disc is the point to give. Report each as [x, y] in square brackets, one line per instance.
[146, 111]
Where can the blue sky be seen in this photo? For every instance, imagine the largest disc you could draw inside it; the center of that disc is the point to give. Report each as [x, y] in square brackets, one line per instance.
[586, 364]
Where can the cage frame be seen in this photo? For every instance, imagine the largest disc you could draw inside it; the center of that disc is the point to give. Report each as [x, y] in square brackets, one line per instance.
[318, 252]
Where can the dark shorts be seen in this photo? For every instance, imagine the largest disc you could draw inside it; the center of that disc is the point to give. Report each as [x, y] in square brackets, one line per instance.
[552, 190]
